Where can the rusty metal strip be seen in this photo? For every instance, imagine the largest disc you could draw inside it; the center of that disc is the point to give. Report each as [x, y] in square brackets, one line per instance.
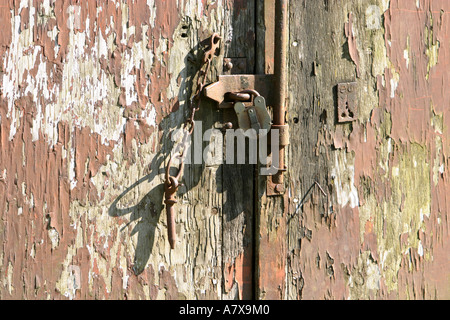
[275, 184]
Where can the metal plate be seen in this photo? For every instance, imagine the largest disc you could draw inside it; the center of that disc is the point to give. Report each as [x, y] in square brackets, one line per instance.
[347, 102]
[237, 83]
[260, 116]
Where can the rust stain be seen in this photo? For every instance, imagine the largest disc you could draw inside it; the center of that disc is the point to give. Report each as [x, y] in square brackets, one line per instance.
[240, 273]
[271, 268]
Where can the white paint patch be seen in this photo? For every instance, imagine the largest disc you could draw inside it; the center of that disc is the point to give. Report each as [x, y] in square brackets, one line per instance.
[74, 21]
[343, 174]
[420, 249]
[373, 275]
[394, 85]
[54, 237]
[406, 57]
[9, 275]
[125, 280]
[149, 115]
[73, 281]
[395, 171]
[152, 7]
[73, 182]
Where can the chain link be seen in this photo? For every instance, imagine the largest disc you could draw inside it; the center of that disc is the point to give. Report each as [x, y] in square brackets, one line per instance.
[195, 101]
[172, 184]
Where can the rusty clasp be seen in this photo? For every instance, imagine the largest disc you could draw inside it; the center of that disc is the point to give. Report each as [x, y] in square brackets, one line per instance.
[241, 96]
[171, 186]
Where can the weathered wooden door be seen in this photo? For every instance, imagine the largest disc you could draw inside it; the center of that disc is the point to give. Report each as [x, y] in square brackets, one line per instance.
[91, 92]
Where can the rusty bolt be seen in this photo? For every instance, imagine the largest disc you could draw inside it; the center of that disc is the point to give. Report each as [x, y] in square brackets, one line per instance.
[228, 65]
[279, 188]
[227, 126]
[241, 65]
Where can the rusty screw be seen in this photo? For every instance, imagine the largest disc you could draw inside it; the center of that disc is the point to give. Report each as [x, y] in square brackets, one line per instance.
[227, 126]
[279, 188]
[228, 65]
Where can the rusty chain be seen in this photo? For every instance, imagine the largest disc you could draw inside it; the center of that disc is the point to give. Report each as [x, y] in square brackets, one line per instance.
[172, 183]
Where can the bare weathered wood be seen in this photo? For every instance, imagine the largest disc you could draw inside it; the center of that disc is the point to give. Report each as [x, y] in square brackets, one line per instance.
[90, 93]
[238, 179]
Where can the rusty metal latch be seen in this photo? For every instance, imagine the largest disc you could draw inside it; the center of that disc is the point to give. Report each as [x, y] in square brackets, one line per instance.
[229, 90]
[253, 115]
[239, 89]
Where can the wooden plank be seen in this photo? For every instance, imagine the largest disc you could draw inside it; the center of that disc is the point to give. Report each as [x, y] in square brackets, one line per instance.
[353, 227]
[308, 162]
[238, 180]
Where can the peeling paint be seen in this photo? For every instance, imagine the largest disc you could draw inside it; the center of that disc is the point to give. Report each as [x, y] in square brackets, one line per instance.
[91, 90]
[86, 90]
[387, 171]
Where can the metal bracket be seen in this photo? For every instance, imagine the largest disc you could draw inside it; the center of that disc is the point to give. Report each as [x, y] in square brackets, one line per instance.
[238, 83]
[347, 102]
[254, 116]
[275, 187]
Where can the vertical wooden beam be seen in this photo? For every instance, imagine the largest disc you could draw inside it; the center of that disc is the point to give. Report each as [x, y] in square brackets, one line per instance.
[265, 36]
[238, 179]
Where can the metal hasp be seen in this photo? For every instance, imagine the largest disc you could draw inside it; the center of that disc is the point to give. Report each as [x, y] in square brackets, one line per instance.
[347, 102]
[227, 91]
[228, 85]
[275, 183]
